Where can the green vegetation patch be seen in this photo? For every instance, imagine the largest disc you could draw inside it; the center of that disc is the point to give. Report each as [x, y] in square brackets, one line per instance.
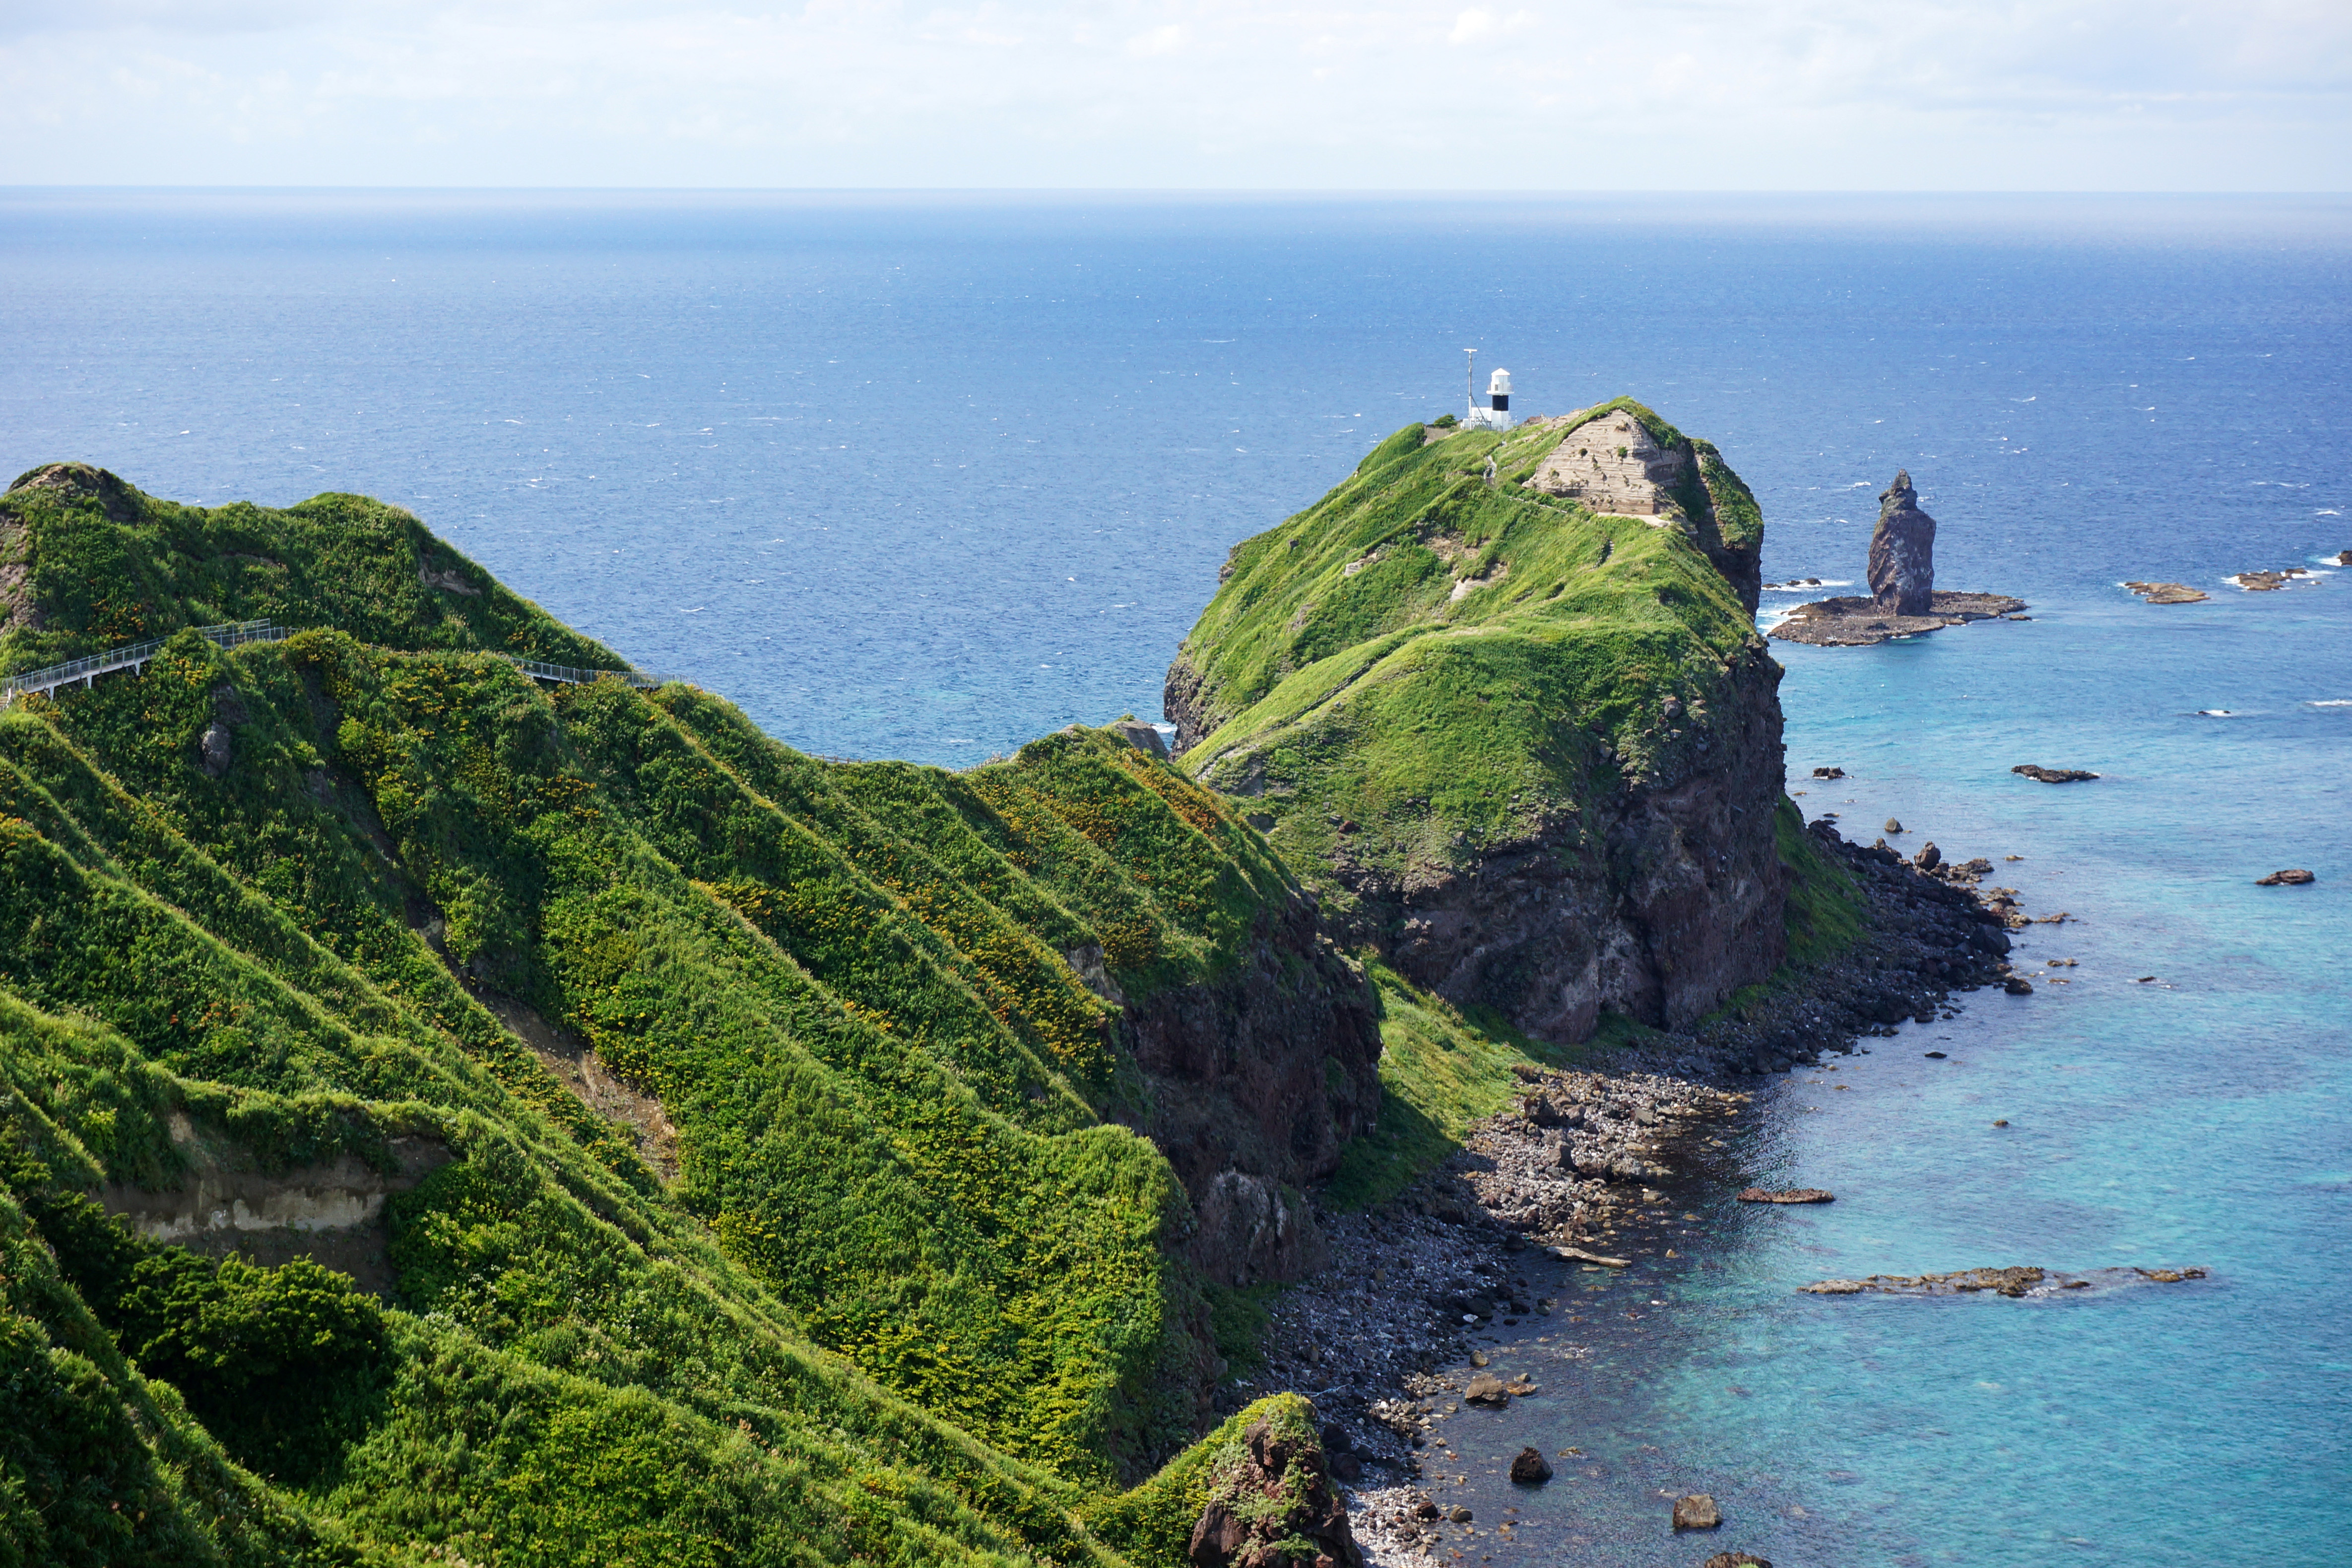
[1825, 908]
[1431, 661]
[107, 565]
[296, 900]
[1441, 1073]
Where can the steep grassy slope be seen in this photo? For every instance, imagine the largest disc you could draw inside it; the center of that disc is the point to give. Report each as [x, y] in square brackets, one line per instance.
[1530, 750]
[850, 1258]
[115, 566]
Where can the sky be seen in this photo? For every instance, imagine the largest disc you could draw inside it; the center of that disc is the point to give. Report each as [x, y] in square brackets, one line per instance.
[1598, 95]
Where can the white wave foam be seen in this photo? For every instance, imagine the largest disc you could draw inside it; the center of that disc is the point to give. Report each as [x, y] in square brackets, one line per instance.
[2331, 703]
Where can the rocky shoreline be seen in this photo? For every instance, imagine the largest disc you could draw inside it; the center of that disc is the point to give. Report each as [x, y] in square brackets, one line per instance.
[1858, 623]
[1563, 1176]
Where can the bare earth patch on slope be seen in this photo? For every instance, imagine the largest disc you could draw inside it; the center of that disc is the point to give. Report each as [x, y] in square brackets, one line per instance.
[602, 1090]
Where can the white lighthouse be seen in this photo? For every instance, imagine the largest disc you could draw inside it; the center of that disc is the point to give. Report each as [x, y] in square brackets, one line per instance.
[1496, 414]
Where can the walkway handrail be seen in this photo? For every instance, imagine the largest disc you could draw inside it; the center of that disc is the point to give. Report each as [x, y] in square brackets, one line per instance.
[235, 634]
[89, 667]
[539, 670]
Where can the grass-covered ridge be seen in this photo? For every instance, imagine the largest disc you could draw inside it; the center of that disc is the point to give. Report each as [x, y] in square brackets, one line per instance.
[906, 1298]
[87, 563]
[1436, 658]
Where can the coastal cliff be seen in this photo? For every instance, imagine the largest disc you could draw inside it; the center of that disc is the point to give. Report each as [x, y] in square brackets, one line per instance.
[1500, 697]
[781, 1157]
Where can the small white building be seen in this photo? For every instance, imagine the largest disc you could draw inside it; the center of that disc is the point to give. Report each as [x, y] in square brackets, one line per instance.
[1497, 416]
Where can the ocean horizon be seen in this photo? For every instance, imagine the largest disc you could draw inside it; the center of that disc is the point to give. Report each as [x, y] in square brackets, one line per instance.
[928, 475]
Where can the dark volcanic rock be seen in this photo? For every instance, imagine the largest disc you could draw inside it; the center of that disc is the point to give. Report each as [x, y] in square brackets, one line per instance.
[1530, 1468]
[1267, 1495]
[1848, 622]
[1788, 1195]
[213, 747]
[1141, 736]
[1928, 857]
[1902, 553]
[2294, 878]
[1247, 1105]
[2054, 776]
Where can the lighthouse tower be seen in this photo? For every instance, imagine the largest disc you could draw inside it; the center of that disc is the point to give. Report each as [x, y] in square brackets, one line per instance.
[1496, 414]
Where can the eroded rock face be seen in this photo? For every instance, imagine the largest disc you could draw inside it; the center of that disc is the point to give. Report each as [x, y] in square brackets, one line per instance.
[331, 1211]
[1612, 464]
[1268, 1496]
[1657, 901]
[1902, 553]
[1257, 1080]
[1141, 736]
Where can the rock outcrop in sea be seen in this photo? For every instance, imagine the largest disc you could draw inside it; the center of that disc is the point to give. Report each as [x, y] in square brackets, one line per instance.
[1903, 551]
[1903, 600]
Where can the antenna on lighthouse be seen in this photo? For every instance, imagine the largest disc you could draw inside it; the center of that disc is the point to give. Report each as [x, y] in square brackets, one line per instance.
[1497, 416]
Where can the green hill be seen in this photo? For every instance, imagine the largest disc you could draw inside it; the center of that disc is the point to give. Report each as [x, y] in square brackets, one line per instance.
[740, 1149]
[1500, 697]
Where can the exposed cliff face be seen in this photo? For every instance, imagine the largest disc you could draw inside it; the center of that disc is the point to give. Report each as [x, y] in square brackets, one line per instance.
[1656, 899]
[1620, 458]
[1257, 1080]
[1532, 749]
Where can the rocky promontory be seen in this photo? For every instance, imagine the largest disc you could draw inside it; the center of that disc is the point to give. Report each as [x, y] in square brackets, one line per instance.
[1903, 551]
[1500, 700]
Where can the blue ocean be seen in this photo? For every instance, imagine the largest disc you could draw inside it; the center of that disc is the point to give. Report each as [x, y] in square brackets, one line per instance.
[927, 475]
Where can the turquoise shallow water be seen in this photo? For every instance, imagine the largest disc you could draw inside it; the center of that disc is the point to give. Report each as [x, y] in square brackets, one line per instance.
[927, 477]
[2195, 1119]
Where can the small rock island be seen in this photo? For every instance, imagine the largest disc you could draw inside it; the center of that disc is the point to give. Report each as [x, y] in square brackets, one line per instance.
[1902, 598]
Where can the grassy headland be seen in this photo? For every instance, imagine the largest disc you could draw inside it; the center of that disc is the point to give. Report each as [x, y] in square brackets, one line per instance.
[1450, 696]
[873, 1271]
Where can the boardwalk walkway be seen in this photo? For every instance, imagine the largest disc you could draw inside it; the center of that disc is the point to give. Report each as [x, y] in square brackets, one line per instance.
[231, 634]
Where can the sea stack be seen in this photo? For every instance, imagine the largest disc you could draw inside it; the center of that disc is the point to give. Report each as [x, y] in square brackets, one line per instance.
[1902, 553]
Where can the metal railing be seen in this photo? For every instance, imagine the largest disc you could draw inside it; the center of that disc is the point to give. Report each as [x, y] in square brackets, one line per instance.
[89, 669]
[237, 633]
[538, 670]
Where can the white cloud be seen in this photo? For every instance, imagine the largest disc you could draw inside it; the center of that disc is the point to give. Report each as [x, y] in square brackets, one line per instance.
[1471, 25]
[1806, 94]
